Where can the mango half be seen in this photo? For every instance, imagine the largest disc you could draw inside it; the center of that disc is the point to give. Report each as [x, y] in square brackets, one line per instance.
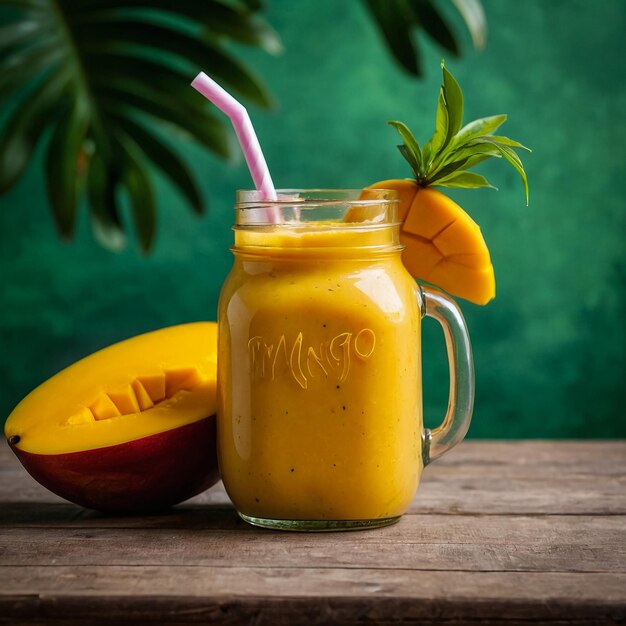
[129, 428]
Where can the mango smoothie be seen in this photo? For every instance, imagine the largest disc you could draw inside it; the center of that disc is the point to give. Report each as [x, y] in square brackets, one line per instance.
[319, 382]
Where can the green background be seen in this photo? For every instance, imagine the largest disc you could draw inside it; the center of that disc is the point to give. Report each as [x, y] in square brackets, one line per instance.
[549, 350]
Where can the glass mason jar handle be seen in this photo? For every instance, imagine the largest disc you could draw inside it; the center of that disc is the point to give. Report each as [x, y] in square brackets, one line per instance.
[461, 401]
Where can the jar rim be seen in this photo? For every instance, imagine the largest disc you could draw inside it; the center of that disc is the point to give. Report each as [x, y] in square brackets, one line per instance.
[310, 198]
[313, 208]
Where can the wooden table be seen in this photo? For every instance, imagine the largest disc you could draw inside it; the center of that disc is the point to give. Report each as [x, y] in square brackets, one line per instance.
[515, 533]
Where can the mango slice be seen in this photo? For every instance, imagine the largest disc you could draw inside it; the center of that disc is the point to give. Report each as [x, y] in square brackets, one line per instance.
[167, 362]
[131, 427]
[443, 245]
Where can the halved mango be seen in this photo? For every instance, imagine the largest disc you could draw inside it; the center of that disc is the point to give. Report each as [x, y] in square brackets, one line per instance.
[443, 245]
[129, 428]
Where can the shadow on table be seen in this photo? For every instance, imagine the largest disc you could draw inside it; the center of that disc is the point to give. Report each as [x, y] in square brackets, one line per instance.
[49, 515]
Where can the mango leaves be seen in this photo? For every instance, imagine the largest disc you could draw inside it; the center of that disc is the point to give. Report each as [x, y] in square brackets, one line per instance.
[454, 148]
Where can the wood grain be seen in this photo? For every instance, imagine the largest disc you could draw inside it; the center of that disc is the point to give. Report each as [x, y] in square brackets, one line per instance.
[477, 543]
[513, 533]
[422, 595]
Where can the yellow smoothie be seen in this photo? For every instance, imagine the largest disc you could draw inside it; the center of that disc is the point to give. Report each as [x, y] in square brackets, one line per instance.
[319, 384]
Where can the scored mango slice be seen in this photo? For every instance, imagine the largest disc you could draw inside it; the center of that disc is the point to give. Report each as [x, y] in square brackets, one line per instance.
[443, 245]
[129, 428]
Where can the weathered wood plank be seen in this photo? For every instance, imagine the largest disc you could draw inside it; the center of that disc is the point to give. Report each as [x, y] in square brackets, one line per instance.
[190, 580]
[554, 478]
[471, 550]
[607, 457]
[444, 542]
[309, 595]
[259, 611]
[456, 495]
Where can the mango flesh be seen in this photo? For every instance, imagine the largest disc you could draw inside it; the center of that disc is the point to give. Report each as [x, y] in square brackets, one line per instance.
[443, 245]
[131, 427]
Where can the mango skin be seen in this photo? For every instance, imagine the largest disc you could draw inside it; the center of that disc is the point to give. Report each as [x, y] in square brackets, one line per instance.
[146, 474]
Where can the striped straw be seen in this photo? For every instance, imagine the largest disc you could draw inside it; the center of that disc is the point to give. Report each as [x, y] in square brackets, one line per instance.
[244, 130]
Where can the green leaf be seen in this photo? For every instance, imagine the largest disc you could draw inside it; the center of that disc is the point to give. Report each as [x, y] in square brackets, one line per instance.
[146, 75]
[18, 69]
[426, 152]
[511, 156]
[106, 224]
[141, 194]
[454, 103]
[23, 129]
[195, 123]
[256, 32]
[433, 23]
[66, 167]
[449, 119]
[398, 20]
[505, 141]
[451, 152]
[464, 152]
[439, 139]
[474, 16]
[410, 159]
[219, 18]
[165, 159]
[464, 180]
[477, 128]
[19, 33]
[462, 164]
[30, 5]
[253, 5]
[130, 34]
[394, 21]
[410, 143]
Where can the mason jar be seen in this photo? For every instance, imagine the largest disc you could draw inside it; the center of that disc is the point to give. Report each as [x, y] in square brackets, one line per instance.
[319, 363]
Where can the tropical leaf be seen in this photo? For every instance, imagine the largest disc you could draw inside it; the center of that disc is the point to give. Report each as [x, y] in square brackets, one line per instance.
[129, 35]
[66, 166]
[473, 14]
[235, 21]
[428, 17]
[98, 78]
[18, 68]
[164, 158]
[102, 187]
[164, 107]
[395, 22]
[141, 194]
[14, 35]
[399, 21]
[25, 126]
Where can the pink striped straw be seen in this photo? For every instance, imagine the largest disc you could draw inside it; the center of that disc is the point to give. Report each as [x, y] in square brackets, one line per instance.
[245, 134]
